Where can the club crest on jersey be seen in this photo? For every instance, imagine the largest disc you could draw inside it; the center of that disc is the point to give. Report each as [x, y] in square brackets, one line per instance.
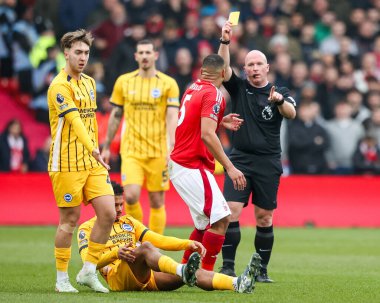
[216, 109]
[68, 197]
[82, 234]
[60, 98]
[267, 113]
[127, 227]
[156, 93]
[92, 95]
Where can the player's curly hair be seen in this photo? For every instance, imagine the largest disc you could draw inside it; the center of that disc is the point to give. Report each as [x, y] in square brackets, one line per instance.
[79, 35]
[117, 188]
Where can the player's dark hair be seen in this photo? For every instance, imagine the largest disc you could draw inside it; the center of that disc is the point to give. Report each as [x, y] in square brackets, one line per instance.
[117, 188]
[146, 42]
[79, 35]
[214, 61]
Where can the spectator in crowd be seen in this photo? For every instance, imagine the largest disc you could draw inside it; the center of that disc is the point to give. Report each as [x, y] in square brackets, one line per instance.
[122, 59]
[41, 79]
[372, 124]
[40, 161]
[14, 151]
[344, 134]
[307, 141]
[73, 16]
[183, 69]
[366, 158]
[358, 110]
[111, 31]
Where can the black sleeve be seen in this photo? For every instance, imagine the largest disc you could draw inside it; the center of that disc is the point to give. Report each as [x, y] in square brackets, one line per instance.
[286, 93]
[232, 85]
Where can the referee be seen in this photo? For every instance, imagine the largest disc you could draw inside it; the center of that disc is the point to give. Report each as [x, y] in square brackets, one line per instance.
[256, 151]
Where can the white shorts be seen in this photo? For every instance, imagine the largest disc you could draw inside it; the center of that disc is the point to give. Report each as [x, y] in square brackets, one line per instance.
[199, 190]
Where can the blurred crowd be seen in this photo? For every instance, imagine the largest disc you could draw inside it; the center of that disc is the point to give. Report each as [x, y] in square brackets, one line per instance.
[326, 52]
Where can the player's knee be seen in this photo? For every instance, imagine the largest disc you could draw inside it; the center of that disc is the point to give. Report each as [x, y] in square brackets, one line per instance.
[147, 247]
[67, 227]
[264, 220]
[131, 197]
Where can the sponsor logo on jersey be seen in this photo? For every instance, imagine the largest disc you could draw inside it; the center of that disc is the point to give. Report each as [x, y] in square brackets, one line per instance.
[68, 197]
[92, 95]
[83, 242]
[127, 227]
[156, 93]
[60, 98]
[123, 177]
[82, 234]
[108, 180]
[63, 106]
[267, 113]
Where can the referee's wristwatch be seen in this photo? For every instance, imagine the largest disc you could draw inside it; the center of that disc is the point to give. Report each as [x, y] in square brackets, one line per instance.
[226, 42]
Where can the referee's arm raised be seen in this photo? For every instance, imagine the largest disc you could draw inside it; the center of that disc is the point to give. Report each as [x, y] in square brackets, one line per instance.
[224, 50]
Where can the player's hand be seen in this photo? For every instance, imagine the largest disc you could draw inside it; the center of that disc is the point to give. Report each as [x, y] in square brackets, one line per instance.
[198, 247]
[99, 158]
[106, 154]
[275, 97]
[125, 253]
[232, 121]
[237, 178]
[227, 31]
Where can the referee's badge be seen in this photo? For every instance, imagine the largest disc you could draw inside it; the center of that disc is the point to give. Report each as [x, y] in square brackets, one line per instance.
[156, 93]
[267, 113]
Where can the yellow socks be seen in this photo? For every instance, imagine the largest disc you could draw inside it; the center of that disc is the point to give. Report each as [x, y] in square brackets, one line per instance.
[222, 282]
[157, 220]
[62, 258]
[134, 210]
[94, 252]
[168, 265]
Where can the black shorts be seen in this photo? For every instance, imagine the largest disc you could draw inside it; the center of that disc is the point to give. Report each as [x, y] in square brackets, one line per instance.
[263, 179]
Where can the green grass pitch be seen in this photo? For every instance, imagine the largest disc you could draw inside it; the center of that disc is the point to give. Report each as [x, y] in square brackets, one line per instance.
[308, 265]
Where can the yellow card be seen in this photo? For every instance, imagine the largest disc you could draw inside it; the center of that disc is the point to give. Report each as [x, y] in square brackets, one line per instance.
[234, 18]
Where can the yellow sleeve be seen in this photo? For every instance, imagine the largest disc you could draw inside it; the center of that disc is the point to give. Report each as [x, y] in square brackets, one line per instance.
[173, 94]
[61, 96]
[80, 130]
[117, 93]
[108, 257]
[165, 242]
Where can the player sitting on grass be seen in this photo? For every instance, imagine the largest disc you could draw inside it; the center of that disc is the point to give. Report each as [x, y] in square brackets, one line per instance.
[127, 266]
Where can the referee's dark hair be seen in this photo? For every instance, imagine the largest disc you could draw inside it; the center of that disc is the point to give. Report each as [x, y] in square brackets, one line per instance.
[117, 188]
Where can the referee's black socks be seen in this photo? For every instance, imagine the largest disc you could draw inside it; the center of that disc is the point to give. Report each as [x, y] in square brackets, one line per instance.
[230, 245]
[264, 243]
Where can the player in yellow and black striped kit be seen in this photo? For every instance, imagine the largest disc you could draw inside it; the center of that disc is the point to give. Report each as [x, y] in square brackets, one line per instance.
[149, 101]
[76, 168]
[128, 266]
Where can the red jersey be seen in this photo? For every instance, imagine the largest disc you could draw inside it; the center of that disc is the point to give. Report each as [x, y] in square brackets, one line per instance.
[201, 99]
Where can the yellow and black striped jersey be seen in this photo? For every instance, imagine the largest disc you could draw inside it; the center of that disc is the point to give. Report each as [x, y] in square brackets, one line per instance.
[145, 101]
[126, 230]
[65, 95]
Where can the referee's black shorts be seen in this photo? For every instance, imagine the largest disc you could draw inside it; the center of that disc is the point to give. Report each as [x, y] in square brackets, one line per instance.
[262, 173]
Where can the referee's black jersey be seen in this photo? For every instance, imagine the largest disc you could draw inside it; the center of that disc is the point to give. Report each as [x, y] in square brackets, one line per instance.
[260, 132]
